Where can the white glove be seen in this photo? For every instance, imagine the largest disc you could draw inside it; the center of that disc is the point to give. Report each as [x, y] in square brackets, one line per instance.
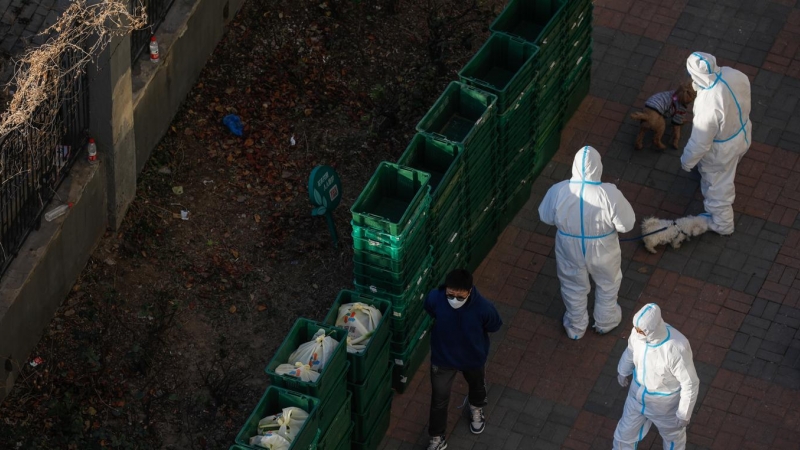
[622, 380]
[683, 423]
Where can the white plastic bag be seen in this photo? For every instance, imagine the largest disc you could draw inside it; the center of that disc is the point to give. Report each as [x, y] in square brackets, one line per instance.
[360, 320]
[315, 353]
[270, 441]
[299, 370]
[286, 423]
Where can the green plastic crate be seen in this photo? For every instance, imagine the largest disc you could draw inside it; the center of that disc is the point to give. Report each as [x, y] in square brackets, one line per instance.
[362, 363]
[409, 261]
[329, 407]
[272, 402]
[544, 153]
[312, 446]
[536, 21]
[409, 314]
[301, 332]
[378, 285]
[390, 198]
[365, 273]
[575, 98]
[365, 421]
[461, 115]
[400, 300]
[405, 358]
[338, 428]
[442, 160]
[396, 241]
[400, 341]
[406, 364]
[503, 66]
[363, 394]
[345, 442]
[516, 201]
[378, 432]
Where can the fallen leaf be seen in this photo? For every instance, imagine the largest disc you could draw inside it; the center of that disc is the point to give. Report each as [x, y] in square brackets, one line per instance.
[257, 218]
[249, 143]
[232, 309]
[642, 269]
[262, 308]
[229, 90]
[178, 190]
[235, 253]
[308, 111]
[188, 132]
[92, 411]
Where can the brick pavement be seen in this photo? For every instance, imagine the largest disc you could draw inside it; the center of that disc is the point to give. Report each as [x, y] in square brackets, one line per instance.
[737, 299]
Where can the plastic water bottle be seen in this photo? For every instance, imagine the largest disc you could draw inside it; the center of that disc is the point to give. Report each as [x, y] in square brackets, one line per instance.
[57, 212]
[91, 149]
[153, 49]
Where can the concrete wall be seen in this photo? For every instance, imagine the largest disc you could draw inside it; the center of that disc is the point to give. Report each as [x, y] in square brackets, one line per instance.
[131, 109]
[46, 268]
[184, 48]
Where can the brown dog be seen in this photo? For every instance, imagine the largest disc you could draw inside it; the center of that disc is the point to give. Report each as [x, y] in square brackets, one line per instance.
[665, 105]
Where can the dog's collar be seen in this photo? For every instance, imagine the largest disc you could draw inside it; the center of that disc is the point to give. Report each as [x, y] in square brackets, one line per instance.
[679, 228]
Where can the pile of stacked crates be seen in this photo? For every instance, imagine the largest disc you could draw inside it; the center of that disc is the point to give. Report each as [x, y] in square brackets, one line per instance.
[578, 64]
[393, 259]
[542, 23]
[369, 379]
[464, 116]
[330, 388]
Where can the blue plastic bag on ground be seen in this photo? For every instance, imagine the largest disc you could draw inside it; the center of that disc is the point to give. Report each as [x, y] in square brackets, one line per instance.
[234, 123]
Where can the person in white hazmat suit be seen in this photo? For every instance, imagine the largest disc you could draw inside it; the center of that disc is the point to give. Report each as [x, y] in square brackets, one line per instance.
[665, 384]
[588, 215]
[721, 135]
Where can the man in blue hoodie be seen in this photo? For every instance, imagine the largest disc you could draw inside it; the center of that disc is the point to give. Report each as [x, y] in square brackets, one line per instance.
[463, 319]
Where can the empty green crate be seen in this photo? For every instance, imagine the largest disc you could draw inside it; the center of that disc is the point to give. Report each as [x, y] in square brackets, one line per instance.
[410, 313]
[460, 115]
[365, 273]
[404, 298]
[362, 362]
[503, 66]
[390, 198]
[365, 393]
[575, 98]
[516, 200]
[365, 420]
[339, 427]
[301, 332]
[404, 358]
[272, 402]
[536, 21]
[396, 241]
[577, 56]
[400, 341]
[382, 287]
[544, 153]
[378, 431]
[440, 159]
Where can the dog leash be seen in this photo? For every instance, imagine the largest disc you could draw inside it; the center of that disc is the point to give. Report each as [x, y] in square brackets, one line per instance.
[645, 235]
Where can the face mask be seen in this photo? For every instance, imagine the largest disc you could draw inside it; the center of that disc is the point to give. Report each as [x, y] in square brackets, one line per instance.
[455, 303]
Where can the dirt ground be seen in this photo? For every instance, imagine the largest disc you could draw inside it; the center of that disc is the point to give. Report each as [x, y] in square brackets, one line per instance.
[163, 341]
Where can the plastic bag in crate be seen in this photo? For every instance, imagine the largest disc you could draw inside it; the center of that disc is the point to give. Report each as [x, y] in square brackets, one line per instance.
[360, 320]
[315, 353]
[270, 441]
[298, 370]
[286, 423]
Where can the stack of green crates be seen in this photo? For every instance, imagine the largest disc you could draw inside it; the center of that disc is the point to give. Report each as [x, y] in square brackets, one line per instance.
[508, 67]
[578, 64]
[369, 379]
[408, 358]
[465, 116]
[445, 163]
[391, 230]
[333, 411]
[273, 402]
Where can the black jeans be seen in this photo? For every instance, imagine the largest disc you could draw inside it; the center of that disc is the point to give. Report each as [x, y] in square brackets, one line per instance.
[441, 382]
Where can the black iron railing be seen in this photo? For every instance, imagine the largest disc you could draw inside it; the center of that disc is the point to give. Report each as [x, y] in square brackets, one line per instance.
[35, 159]
[156, 11]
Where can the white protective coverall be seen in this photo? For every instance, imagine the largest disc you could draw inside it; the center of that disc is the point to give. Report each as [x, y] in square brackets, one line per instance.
[665, 384]
[588, 215]
[721, 135]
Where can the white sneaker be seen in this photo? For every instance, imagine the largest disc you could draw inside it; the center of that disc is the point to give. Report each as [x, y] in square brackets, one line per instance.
[478, 422]
[437, 443]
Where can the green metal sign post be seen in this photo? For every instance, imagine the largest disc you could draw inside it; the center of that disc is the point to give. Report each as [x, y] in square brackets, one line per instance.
[325, 193]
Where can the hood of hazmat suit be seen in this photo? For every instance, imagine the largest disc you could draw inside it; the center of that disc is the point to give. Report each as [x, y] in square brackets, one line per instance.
[721, 134]
[588, 214]
[665, 384]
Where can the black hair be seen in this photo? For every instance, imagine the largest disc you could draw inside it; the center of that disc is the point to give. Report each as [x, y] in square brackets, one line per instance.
[459, 279]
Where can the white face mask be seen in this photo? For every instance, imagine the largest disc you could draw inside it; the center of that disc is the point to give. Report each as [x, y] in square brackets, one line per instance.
[456, 303]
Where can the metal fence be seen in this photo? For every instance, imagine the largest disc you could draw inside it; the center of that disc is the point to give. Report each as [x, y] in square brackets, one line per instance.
[36, 158]
[156, 11]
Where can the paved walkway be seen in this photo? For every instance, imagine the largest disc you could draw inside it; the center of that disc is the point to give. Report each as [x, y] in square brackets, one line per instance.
[737, 299]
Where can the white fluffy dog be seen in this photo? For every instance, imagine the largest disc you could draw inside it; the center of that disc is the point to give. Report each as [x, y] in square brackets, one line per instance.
[676, 231]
